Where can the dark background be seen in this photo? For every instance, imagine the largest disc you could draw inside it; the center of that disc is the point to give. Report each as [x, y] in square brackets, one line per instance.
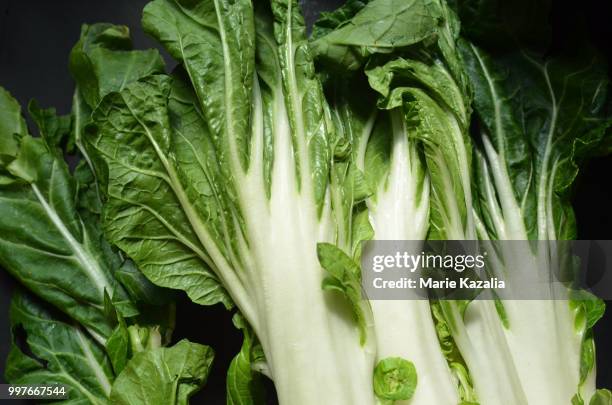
[36, 37]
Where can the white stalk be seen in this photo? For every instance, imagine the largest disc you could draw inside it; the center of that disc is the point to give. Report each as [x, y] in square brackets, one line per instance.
[479, 333]
[480, 339]
[405, 328]
[308, 335]
[541, 337]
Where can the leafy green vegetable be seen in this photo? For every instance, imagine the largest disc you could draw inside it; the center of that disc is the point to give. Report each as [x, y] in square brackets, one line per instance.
[153, 232]
[165, 375]
[427, 89]
[540, 119]
[408, 151]
[118, 346]
[52, 128]
[377, 27]
[61, 353]
[207, 168]
[244, 385]
[344, 277]
[601, 397]
[67, 250]
[103, 61]
[394, 379]
[502, 25]
[251, 176]
[57, 250]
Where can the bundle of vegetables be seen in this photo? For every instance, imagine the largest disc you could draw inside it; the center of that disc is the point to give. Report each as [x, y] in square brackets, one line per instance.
[536, 121]
[250, 176]
[90, 320]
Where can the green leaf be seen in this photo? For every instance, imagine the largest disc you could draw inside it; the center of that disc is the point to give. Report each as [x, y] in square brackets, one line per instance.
[577, 400]
[394, 79]
[587, 310]
[205, 170]
[601, 397]
[102, 61]
[500, 25]
[349, 188]
[588, 307]
[139, 288]
[587, 357]
[243, 382]
[307, 110]
[89, 201]
[361, 231]
[214, 41]
[436, 111]
[543, 119]
[330, 20]
[55, 130]
[117, 347]
[493, 102]
[12, 127]
[452, 353]
[145, 212]
[89, 183]
[66, 250]
[58, 353]
[381, 26]
[164, 375]
[353, 113]
[344, 277]
[395, 379]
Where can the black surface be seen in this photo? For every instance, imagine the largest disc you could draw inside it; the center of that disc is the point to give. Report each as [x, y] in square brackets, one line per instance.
[35, 39]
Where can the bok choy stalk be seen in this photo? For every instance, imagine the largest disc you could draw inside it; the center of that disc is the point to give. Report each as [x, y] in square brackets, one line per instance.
[539, 119]
[218, 184]
[427, 92]
[397, 209]
[387, 149]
